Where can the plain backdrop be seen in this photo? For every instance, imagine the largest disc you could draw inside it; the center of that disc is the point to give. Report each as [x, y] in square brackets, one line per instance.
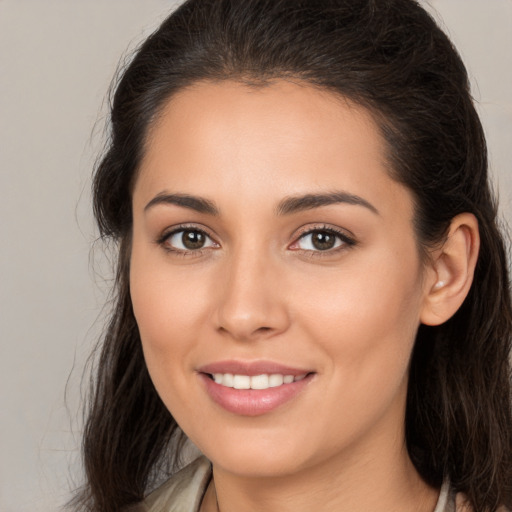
[57, 58]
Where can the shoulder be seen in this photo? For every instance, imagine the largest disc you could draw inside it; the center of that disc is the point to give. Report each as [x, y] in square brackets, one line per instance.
[183, 492]
[450, 501]
[462, 505]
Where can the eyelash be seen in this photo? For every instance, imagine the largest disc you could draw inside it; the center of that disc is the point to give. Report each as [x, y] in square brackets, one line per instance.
[346, 241]
[163, 241]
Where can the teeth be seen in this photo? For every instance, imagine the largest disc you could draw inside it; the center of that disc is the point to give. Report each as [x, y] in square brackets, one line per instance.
[275, 380]
[259, 382]
[241, 382]
[263, 381]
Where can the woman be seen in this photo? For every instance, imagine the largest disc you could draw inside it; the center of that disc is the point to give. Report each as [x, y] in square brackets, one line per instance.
[311, 283]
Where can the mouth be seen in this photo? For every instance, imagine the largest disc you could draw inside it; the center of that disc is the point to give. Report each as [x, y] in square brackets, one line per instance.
[253, 388]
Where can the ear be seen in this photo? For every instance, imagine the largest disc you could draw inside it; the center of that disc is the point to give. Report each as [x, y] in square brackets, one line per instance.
[450, 272]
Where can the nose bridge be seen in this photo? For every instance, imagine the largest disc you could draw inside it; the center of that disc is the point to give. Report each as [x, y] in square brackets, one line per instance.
[250, 302]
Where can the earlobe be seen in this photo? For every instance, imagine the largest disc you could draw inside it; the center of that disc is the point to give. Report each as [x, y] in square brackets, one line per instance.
[452, 270]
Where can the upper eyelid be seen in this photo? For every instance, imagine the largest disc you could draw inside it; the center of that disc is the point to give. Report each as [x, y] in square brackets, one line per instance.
[308, 229]
[165, 233]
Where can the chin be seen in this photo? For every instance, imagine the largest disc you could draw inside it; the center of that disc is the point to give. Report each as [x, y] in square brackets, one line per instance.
[258, 465]
[260, 455]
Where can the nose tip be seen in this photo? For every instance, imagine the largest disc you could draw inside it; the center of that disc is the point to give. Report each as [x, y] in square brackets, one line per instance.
[245, 331]
[251, 306]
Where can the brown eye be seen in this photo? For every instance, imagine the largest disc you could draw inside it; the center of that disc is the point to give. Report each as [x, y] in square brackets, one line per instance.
[193, 239]
[319, 240]
[189, 240]
[322, 240]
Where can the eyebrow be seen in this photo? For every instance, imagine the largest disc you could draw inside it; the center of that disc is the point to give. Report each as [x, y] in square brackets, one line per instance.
[287, 206]
[296, 204]
[198, 204]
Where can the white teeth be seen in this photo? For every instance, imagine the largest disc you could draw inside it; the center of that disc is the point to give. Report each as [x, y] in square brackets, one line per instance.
[263, 381]
[242, 382]
[275, 380]
[259, 382]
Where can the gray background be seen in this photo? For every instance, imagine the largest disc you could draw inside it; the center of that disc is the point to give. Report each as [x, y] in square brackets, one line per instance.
[57, 58]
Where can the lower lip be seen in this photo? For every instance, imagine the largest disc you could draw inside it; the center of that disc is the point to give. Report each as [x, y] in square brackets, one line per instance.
[253, 402]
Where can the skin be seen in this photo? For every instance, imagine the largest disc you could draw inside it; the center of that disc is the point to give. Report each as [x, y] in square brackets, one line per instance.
[259, 290]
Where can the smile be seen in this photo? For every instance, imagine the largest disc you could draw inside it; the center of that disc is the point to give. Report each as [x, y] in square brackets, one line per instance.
[253, 388]
[263, 381]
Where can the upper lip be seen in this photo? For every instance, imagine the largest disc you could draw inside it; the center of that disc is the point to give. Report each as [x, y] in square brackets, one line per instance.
[251, 368]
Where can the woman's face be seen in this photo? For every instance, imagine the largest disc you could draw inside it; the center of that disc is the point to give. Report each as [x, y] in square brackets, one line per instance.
[272, 250]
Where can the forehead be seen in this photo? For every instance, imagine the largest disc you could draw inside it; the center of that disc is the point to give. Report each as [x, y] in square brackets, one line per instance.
[284, 137]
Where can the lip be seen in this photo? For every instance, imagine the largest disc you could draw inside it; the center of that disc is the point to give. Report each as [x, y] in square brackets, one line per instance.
[252, 368]
[252, 402]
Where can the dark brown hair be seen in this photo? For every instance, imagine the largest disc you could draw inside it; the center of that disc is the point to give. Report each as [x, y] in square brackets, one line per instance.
[390, 57]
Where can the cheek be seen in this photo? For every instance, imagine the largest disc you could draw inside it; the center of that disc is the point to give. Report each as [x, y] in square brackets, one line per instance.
[162, 311]
[366, 316]
[167, 303]
[364, 322]
[168, 321]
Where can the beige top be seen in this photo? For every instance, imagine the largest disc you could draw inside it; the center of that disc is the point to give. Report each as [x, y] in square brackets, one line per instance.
[185, 490]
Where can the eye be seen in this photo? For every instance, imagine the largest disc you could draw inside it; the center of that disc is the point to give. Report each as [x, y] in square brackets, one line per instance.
[322, 240]
[188, 240]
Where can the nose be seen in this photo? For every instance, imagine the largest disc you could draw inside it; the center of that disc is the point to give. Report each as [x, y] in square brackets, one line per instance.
[251, 301]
